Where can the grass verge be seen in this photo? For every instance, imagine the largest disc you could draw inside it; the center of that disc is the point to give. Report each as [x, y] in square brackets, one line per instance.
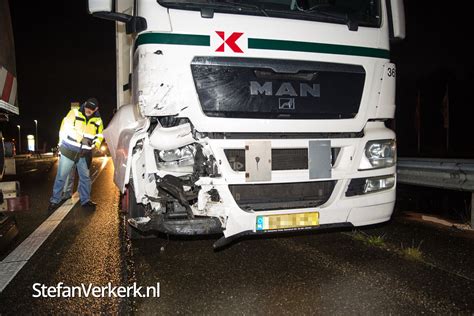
[412, 253]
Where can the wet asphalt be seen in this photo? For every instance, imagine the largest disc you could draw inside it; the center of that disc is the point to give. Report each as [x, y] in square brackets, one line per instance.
[326, 273]
[323, 273]
[36, 178]
[86, 248]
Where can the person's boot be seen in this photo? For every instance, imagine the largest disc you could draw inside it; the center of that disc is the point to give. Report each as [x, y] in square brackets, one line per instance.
[65, 198]
[89, 204]
[53, 206]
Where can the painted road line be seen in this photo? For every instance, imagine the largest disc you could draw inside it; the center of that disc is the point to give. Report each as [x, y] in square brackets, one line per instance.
[14, 262]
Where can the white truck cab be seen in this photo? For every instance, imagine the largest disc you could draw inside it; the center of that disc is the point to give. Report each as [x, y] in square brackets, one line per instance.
[254, 117]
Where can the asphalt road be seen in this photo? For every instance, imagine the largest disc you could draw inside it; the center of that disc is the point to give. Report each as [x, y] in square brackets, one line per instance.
[36, 178]
[86, 248]
[333, 272]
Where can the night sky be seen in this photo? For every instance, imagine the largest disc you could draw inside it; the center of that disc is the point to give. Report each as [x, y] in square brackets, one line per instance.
[434, 55]
[65, 55]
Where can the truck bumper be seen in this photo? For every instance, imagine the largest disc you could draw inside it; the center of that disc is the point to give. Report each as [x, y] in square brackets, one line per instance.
[233, 204]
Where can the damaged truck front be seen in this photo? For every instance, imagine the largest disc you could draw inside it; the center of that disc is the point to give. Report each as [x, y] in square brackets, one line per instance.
[253, 117]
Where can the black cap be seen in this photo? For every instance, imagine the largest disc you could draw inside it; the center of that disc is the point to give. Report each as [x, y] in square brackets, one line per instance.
[91, 103]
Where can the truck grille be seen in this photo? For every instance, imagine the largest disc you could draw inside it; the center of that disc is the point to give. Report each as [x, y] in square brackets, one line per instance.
[261, 197]
[277, 89]
[282, 159]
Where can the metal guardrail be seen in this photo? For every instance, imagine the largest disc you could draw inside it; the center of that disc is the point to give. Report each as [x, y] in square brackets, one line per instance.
[454, 174]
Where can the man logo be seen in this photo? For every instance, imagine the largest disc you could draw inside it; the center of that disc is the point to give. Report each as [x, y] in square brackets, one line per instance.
[286, 103]
[285, 89]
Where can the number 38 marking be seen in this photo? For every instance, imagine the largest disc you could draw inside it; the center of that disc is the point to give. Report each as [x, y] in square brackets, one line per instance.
[391, 72]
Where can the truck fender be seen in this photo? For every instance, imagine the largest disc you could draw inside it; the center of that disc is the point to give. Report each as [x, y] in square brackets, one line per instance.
[123, 132]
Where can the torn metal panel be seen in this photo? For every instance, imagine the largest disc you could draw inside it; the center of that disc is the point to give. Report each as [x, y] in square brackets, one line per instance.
[139, 175]
[167, 138]
[150, 159]
[158, 87]
[126, 127]
[189, 227]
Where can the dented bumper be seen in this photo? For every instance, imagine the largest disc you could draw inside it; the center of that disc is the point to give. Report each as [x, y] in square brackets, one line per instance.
[200, 185]
[179, 226]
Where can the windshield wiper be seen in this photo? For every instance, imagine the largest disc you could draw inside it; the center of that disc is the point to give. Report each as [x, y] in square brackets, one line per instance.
[259, 7]
[208, 10]
[347, 18]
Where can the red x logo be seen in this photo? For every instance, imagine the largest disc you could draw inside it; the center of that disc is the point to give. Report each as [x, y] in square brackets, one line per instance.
[230, 41]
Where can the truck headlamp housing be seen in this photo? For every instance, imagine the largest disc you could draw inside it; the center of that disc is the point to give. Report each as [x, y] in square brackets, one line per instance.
[178, 154]
[379, 154]
[379, 184]
[369, 185]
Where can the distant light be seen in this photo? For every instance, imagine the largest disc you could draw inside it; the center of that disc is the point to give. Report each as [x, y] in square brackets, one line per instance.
[103, 148]
[31, 142]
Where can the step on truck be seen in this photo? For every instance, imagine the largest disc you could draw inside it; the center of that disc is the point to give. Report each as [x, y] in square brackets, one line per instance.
[253, 117]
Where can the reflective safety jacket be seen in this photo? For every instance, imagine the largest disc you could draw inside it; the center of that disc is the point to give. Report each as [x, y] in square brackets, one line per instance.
[79, 133]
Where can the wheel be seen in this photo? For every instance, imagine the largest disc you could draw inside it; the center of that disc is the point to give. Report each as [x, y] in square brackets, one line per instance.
[132, 209]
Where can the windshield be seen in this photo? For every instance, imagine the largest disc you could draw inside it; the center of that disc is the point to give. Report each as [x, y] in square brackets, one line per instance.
[354, 13]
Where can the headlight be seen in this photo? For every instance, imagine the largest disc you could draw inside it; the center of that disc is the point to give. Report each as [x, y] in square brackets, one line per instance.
[379, 154]
[368, 185]
[378, 184]
[183, 153]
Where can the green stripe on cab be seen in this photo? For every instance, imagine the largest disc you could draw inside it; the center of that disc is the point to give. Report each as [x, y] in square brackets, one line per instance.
[256, 43]
[173, 39]
[267, 44]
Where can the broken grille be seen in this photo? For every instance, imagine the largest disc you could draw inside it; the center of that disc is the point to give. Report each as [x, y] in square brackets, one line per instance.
[282, 159]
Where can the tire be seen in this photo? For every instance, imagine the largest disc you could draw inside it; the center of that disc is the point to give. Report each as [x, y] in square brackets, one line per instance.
[132, 209]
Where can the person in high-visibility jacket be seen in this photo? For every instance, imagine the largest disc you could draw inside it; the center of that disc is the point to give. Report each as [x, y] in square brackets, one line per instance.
[80, 132]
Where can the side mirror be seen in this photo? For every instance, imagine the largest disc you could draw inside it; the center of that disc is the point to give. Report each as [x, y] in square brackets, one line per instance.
[104, 9]
[396, 17]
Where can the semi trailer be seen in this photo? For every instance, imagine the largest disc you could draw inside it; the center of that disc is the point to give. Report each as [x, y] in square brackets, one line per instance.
[8, 107]
[253, 117]
[8, 81]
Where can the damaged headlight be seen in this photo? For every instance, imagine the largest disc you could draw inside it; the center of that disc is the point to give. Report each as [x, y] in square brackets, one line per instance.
[176, 160]
[183, 153]
[379, 154]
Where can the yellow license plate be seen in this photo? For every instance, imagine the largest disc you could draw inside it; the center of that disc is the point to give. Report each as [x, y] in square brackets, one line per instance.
[287, 221]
